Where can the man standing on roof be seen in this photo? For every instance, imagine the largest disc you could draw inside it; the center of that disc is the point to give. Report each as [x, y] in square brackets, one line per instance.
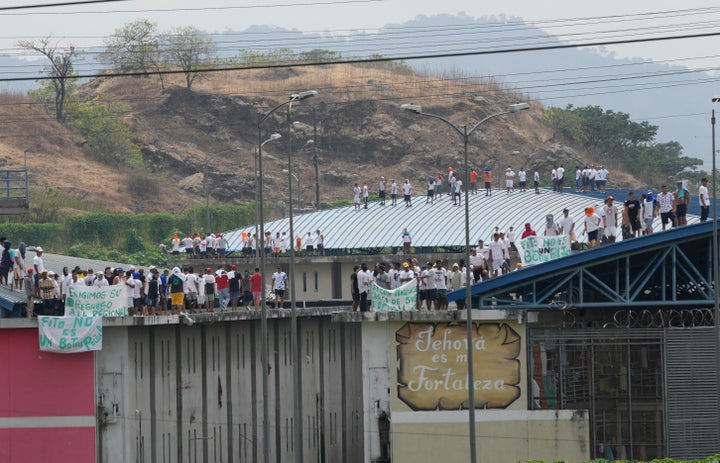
[527, 232]
[488, 181]
[356, 196]
[381, 191]
[567, 225]
[393, 192]
[280, 281]
[496, 254]
[704, 200]
[457, 197]
[509, 179]
[631, 215]
[365, 194]
[592, 224]
[536, 181]
[649, 211]
[601, 178]
[407, 240]
[560, 176]
[354, 289]
[365, 279]
[666, 204]
[430, 190]
[522, 179]
[451, 176]
[407, 191]
[609, 216]
[319, 243]
[682, 201]
[473, 181]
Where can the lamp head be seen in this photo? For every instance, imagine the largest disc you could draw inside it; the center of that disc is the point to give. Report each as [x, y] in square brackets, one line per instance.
[303, 95]
[310, 142]
[513, 108]
[413, 108]
[716, 98]
[275, 136]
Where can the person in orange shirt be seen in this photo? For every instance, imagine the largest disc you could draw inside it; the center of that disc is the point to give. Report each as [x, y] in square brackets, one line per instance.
[298, 244]
[473, 181]
[488, 181]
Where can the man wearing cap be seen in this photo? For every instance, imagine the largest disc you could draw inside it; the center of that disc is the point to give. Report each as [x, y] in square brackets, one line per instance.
[682, 201]
[100, 280]
[608, 213]
[38, 264]
[496, 254]
[280, 282]
[527, 232]
[630, 214]
[222, 285]
[666, 206]
[649, 211]
[46, 290]
[509, 179]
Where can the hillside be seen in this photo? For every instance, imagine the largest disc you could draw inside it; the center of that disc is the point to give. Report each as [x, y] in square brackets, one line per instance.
[362, 134]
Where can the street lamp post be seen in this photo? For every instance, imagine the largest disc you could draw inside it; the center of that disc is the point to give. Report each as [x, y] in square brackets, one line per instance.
[297, 410]
[714, 248]
[465, 134]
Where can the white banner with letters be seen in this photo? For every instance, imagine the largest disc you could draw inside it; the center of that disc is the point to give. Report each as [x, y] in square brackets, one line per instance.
[401, 299]
[94, 301]
[69, 335]
[537, 249]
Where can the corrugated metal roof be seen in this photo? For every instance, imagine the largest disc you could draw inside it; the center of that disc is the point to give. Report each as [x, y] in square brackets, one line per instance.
[440, 224]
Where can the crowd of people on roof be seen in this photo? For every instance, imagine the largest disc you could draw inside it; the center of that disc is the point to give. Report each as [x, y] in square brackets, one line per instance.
[586, 179]
[215, 245]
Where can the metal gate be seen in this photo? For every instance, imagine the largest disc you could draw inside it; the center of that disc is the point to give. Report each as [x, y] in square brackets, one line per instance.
[692, 392]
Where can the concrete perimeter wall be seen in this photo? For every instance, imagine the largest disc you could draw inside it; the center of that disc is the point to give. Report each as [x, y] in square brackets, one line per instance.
[178, 393]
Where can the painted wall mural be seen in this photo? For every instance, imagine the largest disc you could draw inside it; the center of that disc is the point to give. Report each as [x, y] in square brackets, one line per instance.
[432, 365]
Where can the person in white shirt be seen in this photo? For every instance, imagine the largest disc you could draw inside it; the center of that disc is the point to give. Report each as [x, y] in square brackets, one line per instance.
[592, 224]
[609, 215]
[188, 245]
[407, 190]
[560, 176]
[567, 225]
[38, 261]
[458, 190]
[593, 177]
[393, 192]
[601, 178]
[191, 289]
[551, 228]
[309, 244]
[666, 203]
[381, 191]
[283, 243]
[522, 178]
[536, 182]
[280, 281]
[319, 243]
[704, 200]
[365, 278]
[441, 277]
[578, 178]
[357, 191]
[509, 179]
[511, 238]
[365, 194]
[100, 281]
[428, 280]
[496, 254]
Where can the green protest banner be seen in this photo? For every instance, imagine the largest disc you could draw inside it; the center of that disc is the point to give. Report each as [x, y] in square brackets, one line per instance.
[93, 301]
[401, 299]
[68, 335]
[537, 249]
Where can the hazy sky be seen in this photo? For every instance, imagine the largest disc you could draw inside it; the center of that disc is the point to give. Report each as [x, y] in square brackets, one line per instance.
[322, 15]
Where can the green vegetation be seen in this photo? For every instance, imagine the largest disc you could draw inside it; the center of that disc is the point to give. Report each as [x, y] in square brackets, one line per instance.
[612, 136]
[103, 128]
[125, 237]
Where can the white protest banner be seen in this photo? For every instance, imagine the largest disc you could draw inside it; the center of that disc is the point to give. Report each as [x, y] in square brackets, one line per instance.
[401, 299]
[536, 249]
[94, 301]
[68, 335]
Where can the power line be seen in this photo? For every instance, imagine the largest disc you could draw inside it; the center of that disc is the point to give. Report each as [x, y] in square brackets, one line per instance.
[51, 5]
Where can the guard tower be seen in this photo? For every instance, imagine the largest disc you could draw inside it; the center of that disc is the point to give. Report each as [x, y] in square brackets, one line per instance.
[14, 198]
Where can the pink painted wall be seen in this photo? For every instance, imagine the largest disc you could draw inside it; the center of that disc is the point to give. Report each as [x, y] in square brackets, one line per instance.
[42, 384]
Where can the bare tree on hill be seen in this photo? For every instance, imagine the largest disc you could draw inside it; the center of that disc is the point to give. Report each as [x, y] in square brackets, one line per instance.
[189, 49]
[133, 47]
[60, 71]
